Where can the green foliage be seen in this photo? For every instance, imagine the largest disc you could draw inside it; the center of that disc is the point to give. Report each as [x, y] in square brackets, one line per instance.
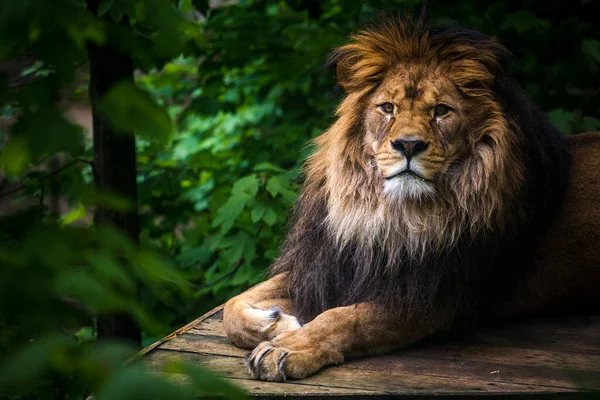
[131, 109]
[223, 108]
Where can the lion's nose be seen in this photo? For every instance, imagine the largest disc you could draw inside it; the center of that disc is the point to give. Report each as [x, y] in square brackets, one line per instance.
[409, 148]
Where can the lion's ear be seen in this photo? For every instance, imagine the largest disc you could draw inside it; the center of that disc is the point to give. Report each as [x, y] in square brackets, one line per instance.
[475, 59]
[357, 66]
[342, 71]
[340, 59]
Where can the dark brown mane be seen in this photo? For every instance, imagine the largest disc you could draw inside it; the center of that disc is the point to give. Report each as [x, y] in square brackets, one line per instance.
[470, 245]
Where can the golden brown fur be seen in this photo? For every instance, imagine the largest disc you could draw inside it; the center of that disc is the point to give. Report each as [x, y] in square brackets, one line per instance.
[440, 194]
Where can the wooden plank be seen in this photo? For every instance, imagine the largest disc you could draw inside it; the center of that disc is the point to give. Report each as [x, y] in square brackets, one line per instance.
[572, 334]
[491, 372]
[389, 381]
[273, 389]
[210, 327]
[216, 345]
[179, 331]
[467, 352]
[574, 345]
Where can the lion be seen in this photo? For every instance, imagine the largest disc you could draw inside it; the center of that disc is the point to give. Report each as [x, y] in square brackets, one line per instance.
[440, 195]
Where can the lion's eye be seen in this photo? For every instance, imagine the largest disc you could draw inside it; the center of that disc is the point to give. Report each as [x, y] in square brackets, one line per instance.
[440, 110]
[387, 108]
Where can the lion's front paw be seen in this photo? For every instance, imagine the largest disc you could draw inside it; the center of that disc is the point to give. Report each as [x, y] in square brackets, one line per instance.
[289, 356]
[272, 322]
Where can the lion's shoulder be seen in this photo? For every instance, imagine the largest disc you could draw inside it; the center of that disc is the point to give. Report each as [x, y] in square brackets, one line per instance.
[584, 150]
[584, 171]
[588, 139]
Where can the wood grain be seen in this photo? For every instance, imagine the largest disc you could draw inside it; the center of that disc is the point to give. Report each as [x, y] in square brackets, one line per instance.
[529, 359]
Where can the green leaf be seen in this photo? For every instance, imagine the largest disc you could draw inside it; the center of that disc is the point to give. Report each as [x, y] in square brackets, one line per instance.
[186, 6]
[104, 6]
[562, 119]
[117, 11]
[191, 256]
[171, 28]
[53, 245]
[111, 354]
[240, 245]
[204, 160]
[129, 8]
[159, 270]
[523, 21]
[15, 156]
[258, 211]
[49, 131]
[266, 166]
[76, 214]
[230, 211]
[271, 254]
[208, 383]
[114, 240]
[109, 269]
[30, 362]
[591, 48]
[246, 185]
[206, 105]
[85, 335]
[270, 216]
[213, 242]
[137, 383]
[93, 294]
[280, 184]
[131, 109]
[590, 124]
[276, 185]
[113, 201]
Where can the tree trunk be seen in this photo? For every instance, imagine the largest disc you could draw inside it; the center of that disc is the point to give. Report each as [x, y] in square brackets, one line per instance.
[114, 163]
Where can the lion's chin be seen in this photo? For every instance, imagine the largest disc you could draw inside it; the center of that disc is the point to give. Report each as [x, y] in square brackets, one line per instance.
[410, 187]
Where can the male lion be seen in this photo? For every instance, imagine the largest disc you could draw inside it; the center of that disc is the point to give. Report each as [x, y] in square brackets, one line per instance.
[440, 194]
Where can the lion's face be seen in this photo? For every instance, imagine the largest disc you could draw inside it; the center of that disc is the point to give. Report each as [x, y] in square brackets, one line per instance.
[415, 129]
[423, 150]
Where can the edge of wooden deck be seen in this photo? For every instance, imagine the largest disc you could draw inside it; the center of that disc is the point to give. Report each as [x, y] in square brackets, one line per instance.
[173, 335]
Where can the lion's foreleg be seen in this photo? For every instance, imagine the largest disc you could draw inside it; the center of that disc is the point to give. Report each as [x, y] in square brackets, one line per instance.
[261, 313]
[363, 328]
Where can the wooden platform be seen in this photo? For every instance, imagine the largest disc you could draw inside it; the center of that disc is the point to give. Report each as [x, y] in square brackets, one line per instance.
[551, 359]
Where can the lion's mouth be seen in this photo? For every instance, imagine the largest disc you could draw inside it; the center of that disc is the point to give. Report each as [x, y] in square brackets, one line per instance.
[407, 172]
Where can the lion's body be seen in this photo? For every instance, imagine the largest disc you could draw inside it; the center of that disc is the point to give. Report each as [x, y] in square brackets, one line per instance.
[566, 277]
[440, 194]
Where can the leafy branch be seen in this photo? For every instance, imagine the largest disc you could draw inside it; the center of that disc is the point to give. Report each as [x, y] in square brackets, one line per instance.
[228, 275]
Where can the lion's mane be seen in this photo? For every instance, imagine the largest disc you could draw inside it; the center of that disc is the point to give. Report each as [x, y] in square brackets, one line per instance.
[349, 242]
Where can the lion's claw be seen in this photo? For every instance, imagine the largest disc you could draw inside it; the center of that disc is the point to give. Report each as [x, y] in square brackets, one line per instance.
[280, 364]
[267, 371]
[254, 359]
